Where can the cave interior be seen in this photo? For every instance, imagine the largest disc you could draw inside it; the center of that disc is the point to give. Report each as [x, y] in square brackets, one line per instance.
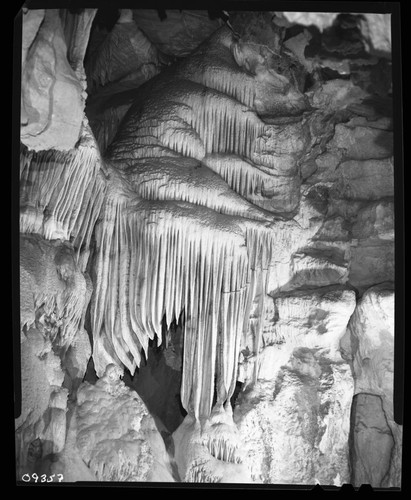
[207, 247]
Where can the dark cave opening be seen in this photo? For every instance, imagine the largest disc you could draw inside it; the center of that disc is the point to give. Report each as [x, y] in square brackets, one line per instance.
[237, 390]
[158, 379]
[90, 376]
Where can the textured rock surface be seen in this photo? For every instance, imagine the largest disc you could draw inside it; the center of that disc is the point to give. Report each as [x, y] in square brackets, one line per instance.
[53, 101]
[210, 451]
[42, 376]
[321, 19]
[53, 298]
[53, 290]
[125, 54]
[115, 68]
[180, 32]
[60, 193]
[76, 359]
[32, 20]
[375, 28]
[372, 442]
[116, 436]
[77, 26]
[373, 250]
[369, 347]
[295, 420]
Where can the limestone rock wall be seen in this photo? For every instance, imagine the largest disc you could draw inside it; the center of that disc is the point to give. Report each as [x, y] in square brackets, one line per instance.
[123, 60]
[295, 420]
[55, 347]
[122, 443]
[53, 98]
[55, 288]
[369, 348]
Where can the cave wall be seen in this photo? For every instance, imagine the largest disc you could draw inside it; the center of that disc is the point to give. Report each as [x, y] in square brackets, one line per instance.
[280, 164]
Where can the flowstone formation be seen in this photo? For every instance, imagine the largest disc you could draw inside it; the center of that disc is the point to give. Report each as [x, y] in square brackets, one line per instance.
[203, 256]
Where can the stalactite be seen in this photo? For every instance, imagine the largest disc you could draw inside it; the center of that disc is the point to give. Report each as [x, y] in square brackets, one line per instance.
[221, 449]
[182, 250]
[61, 192]
[222, 122]
[62, 312]
[199, 474]
[193, 120]
[213, 65]
[188, 180]
[240, 174]
[173, 257]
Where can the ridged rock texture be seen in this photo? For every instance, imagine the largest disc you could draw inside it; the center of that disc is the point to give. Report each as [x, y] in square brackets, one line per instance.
[207, 248]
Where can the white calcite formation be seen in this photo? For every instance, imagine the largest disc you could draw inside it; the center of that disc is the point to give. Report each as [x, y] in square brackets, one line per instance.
[54, 295]
[53, 290]
[116, 437]
[61, 192]
[53, 97]
[294, 421]
[236, 196]
[41, 383]
[206, 255]
[210, 451]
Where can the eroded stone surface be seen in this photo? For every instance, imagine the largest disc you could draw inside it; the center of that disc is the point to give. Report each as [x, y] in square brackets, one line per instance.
[41, 380]
[295, 427]
[180, 32]
[53, 290]
[52, 95]
[116, 436]
[366, 179]
[211, 451]
[288, 419]
[372, 441]
[54, 298]
[373, 250]
[362, 143]
[369, 347]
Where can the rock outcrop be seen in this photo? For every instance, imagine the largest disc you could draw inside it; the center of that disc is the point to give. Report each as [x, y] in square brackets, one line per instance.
[122, 443]
[53, 97]
[294, 421]
[54, 296]
[369, 347]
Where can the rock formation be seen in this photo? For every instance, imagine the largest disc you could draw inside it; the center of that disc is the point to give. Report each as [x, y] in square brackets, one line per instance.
[207, 249]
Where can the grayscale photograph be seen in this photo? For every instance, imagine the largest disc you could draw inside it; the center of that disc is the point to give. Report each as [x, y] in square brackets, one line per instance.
[206, 247]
